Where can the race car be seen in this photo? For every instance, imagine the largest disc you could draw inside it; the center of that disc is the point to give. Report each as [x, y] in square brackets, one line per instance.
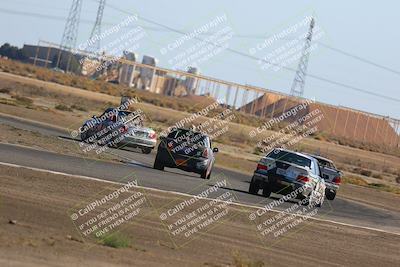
[187, 150]
[283, 171]
[331, 175]
[119, 128]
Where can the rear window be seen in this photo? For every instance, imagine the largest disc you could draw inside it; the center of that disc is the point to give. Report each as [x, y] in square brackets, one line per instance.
[190, 137]
[179, 133]
[290, 157]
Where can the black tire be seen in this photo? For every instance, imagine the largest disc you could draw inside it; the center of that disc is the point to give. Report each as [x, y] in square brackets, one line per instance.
[209, 176]
[204, 174]
[254, 187]
[84, 137]
[158, 165]
[146, 150]
[266, 190]
[330, 195]
[305, 201]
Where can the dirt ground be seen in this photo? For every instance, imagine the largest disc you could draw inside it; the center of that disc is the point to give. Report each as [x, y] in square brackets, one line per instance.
[42, 233]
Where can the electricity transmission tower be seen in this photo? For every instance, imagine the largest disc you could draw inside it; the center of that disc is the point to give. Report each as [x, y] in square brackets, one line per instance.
[301, 73]
[68, 41]
[70, 34]
[96, 31]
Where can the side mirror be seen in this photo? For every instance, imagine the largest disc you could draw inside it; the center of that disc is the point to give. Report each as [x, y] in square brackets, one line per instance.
[215, 149]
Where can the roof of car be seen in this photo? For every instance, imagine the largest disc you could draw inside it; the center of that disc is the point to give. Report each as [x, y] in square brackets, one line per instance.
[319, 157]
[297, 153]
[187, 129]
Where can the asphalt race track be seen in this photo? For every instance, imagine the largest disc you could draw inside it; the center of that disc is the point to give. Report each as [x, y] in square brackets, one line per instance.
[137, 165]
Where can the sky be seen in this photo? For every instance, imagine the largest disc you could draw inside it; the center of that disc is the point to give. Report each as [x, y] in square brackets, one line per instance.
[364, 29]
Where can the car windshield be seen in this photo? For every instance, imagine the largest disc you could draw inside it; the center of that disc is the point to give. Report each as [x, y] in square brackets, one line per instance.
[290, 157]
[325, 163]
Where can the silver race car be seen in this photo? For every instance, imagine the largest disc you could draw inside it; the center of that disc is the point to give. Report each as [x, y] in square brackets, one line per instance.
[331, 175]
[119, 128]
[287, 172]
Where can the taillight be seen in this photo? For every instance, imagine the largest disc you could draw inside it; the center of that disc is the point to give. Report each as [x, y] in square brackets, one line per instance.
[124, 129]
[170, 145]
[261, 167]
[152, 135]
[337, 180]
[205, 154]
[303, 178]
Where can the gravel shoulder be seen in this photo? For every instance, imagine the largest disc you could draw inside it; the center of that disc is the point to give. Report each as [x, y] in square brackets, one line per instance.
[44, 235]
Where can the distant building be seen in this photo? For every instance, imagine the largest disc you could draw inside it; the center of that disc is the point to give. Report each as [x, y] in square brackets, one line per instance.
[127, 71]
[53, 57]
[190, 82]
[44, 56]
[147, 74]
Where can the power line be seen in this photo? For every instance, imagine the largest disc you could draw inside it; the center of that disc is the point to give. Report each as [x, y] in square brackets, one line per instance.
[360, 58]
[229, 49]
[242, 36]
[316, 77]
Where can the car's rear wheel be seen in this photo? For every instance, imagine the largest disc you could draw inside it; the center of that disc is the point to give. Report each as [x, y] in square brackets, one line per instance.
[146, 150]
[158, 165]
[254, 187]
[330, 195]
[267, 190]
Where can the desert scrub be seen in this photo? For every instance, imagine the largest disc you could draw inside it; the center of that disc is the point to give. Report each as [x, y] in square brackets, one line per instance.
[22, 100]
[63, 107]
[116, 240]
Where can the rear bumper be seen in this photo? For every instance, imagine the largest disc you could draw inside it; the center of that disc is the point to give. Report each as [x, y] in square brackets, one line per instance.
[331, 187]
[130, 141]
[186, 163]
[281, 185]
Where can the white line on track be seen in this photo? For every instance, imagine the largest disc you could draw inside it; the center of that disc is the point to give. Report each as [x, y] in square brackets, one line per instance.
[188, 195]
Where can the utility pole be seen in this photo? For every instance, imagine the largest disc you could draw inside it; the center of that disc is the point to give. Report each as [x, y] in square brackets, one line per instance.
[68, 41]
[301, 73]
[96, 31]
